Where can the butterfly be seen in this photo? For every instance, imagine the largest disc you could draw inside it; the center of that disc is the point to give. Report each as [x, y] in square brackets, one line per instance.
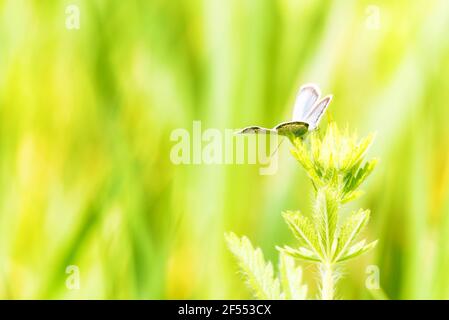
[307, 113]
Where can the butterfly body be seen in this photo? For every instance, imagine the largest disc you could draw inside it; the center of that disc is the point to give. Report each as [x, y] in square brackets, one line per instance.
[307, 114]
[292, 129]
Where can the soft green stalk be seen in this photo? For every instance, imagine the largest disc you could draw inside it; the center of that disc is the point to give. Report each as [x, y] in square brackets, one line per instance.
[328, 281]
[335, 165]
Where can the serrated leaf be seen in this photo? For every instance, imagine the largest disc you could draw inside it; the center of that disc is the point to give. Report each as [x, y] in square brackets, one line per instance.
[301, 153]
[291, 279]
[363, 173]
[300, 253]
[351, 196]
[357, 153]
[350, 230]
[357, 250]
[303, 230]
[258, 273]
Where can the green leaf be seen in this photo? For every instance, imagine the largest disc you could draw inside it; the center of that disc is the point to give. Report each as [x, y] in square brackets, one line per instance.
[349, 232]
[304, 231]
[357, 250]
[363, 173]
[291, 279]
[300, 253]
[258, 273]
[351, 196]
[357, 153]
[301, 153]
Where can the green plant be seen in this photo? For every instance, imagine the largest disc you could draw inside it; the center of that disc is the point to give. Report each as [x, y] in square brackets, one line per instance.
[335, 165]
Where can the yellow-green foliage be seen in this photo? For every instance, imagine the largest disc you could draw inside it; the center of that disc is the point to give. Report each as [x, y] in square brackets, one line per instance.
[259, 274]
[335, 160]
[86, 117]
[335, 165]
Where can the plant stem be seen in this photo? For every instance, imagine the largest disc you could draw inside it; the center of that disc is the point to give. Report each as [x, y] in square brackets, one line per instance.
[327, 281]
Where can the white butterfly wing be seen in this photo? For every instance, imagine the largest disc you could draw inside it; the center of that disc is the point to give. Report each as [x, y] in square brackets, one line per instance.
[305, 100]
[314, 116]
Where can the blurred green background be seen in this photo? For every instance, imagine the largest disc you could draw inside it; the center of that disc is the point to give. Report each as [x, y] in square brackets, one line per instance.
[86, 117]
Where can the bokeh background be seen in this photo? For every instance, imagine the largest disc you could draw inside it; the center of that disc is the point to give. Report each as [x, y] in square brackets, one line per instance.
[86, 117]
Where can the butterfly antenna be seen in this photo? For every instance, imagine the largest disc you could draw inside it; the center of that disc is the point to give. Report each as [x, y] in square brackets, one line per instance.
[277, 148]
